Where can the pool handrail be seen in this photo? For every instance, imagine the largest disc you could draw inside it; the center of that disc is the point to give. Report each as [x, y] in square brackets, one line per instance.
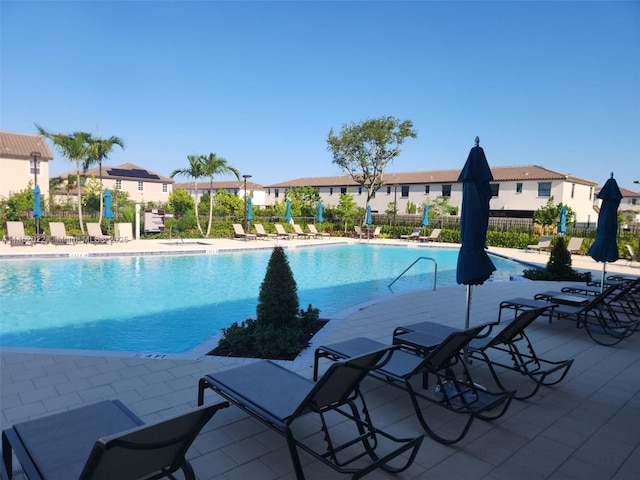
[435, 275]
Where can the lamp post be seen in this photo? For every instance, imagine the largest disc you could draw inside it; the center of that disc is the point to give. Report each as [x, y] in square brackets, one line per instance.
[35, 156]
[395, 208]
[246, 227]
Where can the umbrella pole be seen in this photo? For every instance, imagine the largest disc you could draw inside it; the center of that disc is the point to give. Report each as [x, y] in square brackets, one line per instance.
[604, 268]
[467, 313]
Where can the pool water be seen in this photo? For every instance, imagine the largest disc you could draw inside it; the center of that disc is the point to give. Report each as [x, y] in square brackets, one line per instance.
[170, 304]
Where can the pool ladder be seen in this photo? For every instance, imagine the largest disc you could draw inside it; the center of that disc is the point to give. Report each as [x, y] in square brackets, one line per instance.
[171, 234]
[435, 273]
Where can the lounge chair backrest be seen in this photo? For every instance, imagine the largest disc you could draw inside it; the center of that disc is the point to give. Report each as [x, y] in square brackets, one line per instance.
[94, 229]
[297, 229]
[448, 348]
[435, 233]
[123, 231]
[516, 326]
[146, 450]
[15, 229]
[280, 229]
[312, 228]
[357, 229]
[340, 380]
[632, 253]
[574, 244]
[57, 229]
[376, 232]
[545, 241]
[237, 229]
[602, 297]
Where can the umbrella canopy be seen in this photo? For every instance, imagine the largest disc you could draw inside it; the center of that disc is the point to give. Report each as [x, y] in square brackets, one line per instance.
[37, 203]
[474, 265]
[287, 216]
[249, 209]
[605, 247]
[562, 224]
[320, 217]
[369, 220]
[425, 216]
[108, 212]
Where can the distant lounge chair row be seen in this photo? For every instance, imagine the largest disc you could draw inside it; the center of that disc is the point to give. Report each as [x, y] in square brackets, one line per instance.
[416, 235]
[261, 233]
[359, 233]
[573, 246]
[58, 235]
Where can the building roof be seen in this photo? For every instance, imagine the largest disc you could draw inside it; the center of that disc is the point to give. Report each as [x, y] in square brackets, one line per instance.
[20, 146]
[220, 185]
[500, 174]
[625, 193]
[126, 171]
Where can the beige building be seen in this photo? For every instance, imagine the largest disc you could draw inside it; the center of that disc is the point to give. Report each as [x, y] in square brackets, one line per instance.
[237, 187]
[24, 159]
[142, 185]
[518, 191]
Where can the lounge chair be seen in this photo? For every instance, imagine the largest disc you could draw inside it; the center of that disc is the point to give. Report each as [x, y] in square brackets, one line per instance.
[95, 235]
[433, 355]
[123, 232]
[594, 313]
[103, 440]
[376, 233]
[314, 231]
[261, 232]
[415, 235]
[433, 237]
[511, 344]
[278, 398]
[238, 232]
[281, 232]
[633, 257]
[299, 233]
[358, 231]
[574, 244]
[16, 236]
[58, 234]
[543, 245]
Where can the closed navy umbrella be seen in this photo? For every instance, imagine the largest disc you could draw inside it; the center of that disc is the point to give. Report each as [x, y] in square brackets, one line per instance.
[474, 265]
[605, 247]
[37, 207]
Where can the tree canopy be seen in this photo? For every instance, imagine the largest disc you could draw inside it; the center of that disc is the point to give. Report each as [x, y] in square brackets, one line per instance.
[365, 149]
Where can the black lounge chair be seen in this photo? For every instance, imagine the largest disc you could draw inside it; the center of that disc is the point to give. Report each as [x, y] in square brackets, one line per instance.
[442, 356]
[513, 341]
[104, 440]
[594, 313]
[278, 397]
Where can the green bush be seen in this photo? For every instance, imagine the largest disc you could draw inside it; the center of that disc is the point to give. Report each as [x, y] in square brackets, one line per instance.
[558, 267]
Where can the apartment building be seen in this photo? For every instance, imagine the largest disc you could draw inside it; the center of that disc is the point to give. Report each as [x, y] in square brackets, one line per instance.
[24, 161]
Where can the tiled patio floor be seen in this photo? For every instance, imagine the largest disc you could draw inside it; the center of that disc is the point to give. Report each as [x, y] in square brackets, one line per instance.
[587, 427]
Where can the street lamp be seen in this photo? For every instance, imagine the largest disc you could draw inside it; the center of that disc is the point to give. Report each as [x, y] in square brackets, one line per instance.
[395, 207]
[35, 156]
[246, 225]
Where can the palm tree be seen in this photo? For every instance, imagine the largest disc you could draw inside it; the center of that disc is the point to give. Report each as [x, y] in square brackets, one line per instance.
[213, 165]
[74, 148]
[98, 150]
[195, 171]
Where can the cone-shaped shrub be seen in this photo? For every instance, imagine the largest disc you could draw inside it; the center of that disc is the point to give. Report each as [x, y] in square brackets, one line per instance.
[559, 264]
[278, 303]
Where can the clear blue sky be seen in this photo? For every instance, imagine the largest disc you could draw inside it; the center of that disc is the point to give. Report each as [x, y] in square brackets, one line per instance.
[261, 83]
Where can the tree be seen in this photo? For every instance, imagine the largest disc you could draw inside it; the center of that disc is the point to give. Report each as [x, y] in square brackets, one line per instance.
[346, 209]
[214, 165]
[180, 202]
[98, 150]
[74, 148]
[195, 171]
[549, 215]
[228, 203]
[278, 299]
[306, 197]
[365, 149]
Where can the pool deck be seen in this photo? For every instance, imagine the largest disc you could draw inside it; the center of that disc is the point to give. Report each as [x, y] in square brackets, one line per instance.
[587, 427]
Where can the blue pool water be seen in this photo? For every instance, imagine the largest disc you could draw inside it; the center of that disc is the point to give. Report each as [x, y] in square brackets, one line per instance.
[170, 304]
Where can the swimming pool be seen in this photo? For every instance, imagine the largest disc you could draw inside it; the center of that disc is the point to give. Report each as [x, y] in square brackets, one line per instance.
[170, 304]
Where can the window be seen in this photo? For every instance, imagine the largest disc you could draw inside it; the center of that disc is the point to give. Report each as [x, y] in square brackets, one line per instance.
[269, 191]
[388, 189]
[34, 168]
[330, 190]
[495, 189]
[277, 192]
[446, 190]
[405, 191]
[544, 189]
[164, 188]
[140, 186]
[426, 189]
[590, 193]
[573, 189]
[519, 187]
[634, 201]
[359, 190]
[118, 184]
[343, 190]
